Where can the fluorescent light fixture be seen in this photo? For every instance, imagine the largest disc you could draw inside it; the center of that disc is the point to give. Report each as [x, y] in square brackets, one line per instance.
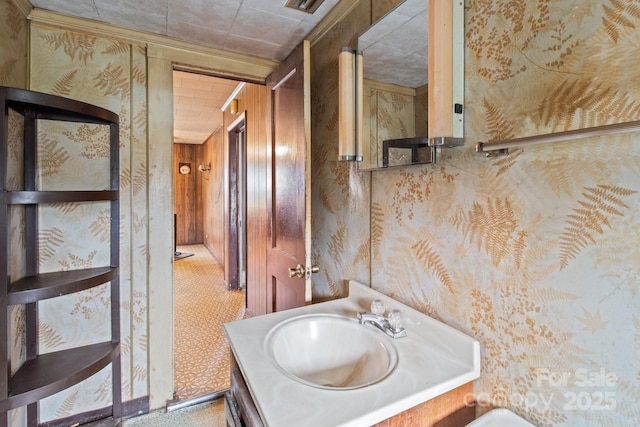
[308, 6]
[232, 96]
[350, 105]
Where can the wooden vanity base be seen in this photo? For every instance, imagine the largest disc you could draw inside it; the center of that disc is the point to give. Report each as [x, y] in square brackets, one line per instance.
[452, 409]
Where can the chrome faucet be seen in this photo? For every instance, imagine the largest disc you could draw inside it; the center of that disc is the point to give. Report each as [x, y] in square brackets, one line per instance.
[391, 326]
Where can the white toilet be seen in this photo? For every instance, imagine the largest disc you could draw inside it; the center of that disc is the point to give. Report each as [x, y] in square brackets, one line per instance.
[500, 418]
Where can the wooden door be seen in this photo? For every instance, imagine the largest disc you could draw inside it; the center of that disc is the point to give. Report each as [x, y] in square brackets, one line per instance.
[289, 110]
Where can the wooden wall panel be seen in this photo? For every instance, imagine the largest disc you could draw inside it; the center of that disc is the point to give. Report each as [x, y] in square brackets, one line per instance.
[252, 101]
[199, 199]
[213, 204]
[188, 195]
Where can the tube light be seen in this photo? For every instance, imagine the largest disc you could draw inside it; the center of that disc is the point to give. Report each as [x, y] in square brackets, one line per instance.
[350, 88]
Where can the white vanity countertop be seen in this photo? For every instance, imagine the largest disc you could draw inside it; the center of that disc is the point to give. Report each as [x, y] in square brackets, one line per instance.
[432, 359]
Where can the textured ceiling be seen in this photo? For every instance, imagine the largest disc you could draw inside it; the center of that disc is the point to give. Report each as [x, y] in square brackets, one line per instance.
[196, 105]
[400, 37]
[262, 28]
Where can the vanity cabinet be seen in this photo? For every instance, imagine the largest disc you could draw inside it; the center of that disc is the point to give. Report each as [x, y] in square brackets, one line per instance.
[239, 408]
[430, 383]
[452, 409]
[22, 197]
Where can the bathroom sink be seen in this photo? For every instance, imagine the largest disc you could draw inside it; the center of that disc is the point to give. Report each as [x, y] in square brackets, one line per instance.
[331, 351]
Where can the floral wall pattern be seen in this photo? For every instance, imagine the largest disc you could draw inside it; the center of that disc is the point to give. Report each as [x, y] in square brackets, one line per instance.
[388, 113]
[339, 193]
[13, 72]
[13, 57]
[534, 254]
[110, 74]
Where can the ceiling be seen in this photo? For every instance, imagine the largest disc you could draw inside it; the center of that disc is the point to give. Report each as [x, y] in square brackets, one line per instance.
[400, 37]
[196, 105]
[262, 28]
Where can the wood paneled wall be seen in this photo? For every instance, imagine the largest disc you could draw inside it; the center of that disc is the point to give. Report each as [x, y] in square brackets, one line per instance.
[215, 185]
[213, 190]
[188, 194]
[252, 101]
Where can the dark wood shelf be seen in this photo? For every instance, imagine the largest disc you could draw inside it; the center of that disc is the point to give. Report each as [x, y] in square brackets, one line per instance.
[51, 107]
[35, 197]
[53, 372]
[45, 374]
[50, 285]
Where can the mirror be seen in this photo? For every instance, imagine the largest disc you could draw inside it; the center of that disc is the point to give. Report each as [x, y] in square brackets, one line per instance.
[395, 97]
[402, 122]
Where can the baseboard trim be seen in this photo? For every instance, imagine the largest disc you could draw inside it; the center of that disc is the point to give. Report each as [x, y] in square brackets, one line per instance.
[130, 408]
[139, 406]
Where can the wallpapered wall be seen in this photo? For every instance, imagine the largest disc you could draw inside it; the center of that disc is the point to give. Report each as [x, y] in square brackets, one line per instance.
[535, 254]
[339, 194]
[112, 75]
[389, 112]
[13, 72]
[13, 56]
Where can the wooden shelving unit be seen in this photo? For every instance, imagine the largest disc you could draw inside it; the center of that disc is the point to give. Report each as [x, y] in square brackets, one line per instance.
[45, 374]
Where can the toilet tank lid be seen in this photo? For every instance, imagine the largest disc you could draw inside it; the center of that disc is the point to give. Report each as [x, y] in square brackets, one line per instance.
[500, 418]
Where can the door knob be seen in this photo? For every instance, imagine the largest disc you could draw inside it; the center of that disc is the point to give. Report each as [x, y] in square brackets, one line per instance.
[297, 272]
[312, 270]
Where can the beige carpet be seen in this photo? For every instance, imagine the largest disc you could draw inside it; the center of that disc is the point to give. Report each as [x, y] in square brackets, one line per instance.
[202, 304]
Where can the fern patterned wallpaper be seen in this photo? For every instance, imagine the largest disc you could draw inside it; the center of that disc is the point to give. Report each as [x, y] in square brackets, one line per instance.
[535, 254]
[13, 56]
[112, 75]
[13, 72]
[389, 114]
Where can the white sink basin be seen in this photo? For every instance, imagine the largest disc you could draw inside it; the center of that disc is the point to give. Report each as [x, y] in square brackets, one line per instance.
[331, 351]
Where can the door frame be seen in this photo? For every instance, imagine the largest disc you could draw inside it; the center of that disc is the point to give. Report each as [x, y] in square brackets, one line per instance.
[235, 238]
[161, 62]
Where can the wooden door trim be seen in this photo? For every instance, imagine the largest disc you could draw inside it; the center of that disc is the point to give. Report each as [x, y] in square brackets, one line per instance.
[307, 170]
[269, 202]
[232, 273]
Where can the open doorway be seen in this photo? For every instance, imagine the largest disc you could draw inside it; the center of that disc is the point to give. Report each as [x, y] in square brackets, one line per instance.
[208, 170]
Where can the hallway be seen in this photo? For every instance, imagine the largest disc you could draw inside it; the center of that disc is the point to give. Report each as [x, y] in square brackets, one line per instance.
[202, 306]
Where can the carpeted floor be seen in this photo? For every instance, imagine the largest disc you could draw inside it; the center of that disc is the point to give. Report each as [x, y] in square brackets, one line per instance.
[202, 304]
